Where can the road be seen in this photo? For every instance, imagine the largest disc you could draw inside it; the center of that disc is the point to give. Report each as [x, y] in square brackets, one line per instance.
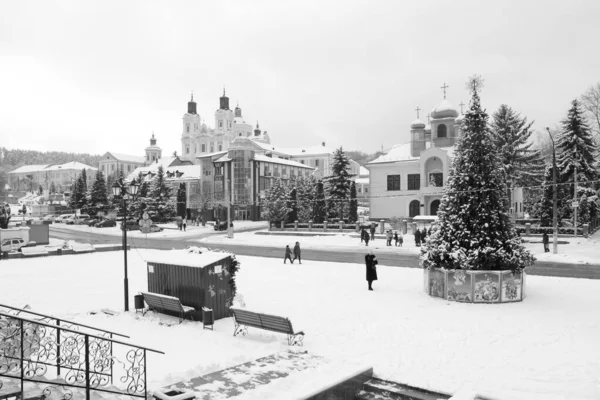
[350, 255]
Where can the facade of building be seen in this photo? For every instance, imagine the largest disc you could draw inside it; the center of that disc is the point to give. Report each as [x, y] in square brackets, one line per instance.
[113, 163]
[409, 179]
[31, 177]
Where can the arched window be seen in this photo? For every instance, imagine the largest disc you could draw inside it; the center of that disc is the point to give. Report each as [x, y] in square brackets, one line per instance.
[187, 149]
[187, 128]
[442, 131]
[414, 208]
[435, 205]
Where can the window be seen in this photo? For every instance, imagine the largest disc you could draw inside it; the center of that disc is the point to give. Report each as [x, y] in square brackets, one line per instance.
[442, 131]
[229, 124]
[129, 166]
[147, 157]
[239, 133]
[187, 149]
[219, 170]
[393, 182]
[301, 161]
[366, 189]
[203, 147]
[414, 181]
[212, 148]
[220, 147]
[220, 124]
[436, 179]
[414, 208]
[359, 189]
[316, 163]
[187, 127]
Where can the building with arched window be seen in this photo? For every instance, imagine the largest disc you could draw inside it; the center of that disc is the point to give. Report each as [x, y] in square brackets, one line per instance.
[409, 179]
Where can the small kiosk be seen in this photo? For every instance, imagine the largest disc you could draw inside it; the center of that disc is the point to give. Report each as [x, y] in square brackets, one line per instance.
[197, 279]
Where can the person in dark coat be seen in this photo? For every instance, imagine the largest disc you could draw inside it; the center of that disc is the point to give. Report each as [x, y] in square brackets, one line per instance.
[546, 241]
[288, 254]
[372, 232]
[366, 238]
[417, 238]
[362, 234]
[400, 239]
[423, 235]
[371, 262]
[388, 236]
[297, 253]
[396, 239]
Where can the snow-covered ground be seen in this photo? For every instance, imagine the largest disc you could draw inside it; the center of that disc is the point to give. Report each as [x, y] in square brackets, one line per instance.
[170, 230]
[578, 250]
[545, 347]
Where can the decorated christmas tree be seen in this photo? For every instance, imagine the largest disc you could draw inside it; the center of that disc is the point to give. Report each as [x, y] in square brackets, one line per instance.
[275, 207]
[474, 229]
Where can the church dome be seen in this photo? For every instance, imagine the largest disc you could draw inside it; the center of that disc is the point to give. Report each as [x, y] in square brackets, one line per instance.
[444, 110]
[417, 124]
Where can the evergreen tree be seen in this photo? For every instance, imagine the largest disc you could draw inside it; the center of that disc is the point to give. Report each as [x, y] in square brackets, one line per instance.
[575, 147]
[181, 200]
[306, 194]
[293, 205]
[319, 206]
[52, 188]
[40, 190]
[546, 205]
[338, 184]
[275, 206]
[97, 200]
[474, 229]
[583, 214]
[523, 163]
[353, 213]
[159, 205]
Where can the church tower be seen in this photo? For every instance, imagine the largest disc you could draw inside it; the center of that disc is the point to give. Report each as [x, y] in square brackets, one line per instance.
[223, 124]
[443, 127]
[191, 127]
[153, 152]
[417, 136]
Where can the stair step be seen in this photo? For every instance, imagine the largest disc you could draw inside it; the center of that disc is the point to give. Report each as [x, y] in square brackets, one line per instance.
[396, 391]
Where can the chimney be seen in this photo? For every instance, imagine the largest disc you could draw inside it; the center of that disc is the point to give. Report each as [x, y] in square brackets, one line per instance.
[323, 143]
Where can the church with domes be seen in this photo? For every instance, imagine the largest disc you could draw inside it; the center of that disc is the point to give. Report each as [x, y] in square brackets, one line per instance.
[408, 180]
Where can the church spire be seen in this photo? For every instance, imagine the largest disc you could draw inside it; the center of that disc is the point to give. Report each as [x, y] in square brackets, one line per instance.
[192, 105]
[224, 101]
[444, 89]
[257, 130]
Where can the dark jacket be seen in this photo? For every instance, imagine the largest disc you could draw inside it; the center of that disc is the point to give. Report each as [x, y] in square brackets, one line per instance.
[288, 251]
[371, 262]
[297, 250]
[545, 238]
[417, 235]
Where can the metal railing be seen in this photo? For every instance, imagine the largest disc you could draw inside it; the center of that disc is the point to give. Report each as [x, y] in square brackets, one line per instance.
[39, 359]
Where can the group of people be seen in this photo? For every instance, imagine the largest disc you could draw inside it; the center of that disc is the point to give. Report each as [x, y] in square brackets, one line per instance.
[420, 236]
[365, 235]
[398, 238]
[5, 215]
[288, 253]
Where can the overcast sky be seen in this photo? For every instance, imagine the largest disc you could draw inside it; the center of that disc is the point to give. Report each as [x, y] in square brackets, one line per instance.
[97, 76]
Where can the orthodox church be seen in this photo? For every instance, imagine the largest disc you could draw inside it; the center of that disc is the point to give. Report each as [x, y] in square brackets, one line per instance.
[409, 179]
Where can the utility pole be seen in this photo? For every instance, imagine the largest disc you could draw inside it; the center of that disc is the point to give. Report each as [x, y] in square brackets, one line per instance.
[554, 190]
[228, 196]
[575, 205]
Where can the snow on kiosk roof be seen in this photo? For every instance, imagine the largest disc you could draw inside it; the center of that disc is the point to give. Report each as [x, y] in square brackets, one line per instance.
[185, 258]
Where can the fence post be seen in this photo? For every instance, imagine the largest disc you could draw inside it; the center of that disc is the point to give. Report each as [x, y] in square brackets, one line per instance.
[325, 225]
[403, 226]
[87, 367]
[381, 226]
[270, 225]
[58, 347]
[527, 229]
[586, 230]
[310, 225]
[295, 225]
[283, 225]
[341, 225]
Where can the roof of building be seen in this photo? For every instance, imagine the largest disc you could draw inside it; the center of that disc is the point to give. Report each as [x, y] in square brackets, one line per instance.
[444, 110]
[363, 171]
[184, 257]
[216, 153]
[362, 181]
[417, 124]
[187, 171]
[400, 152]
[294, 151]
[127, 157]
[282, 161]
[70, 165]
[30, 168]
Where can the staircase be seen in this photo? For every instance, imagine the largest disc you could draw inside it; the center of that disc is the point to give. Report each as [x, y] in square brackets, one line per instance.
[377, 389]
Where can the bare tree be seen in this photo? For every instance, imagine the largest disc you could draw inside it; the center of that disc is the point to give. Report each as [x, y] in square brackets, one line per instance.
[591, 103]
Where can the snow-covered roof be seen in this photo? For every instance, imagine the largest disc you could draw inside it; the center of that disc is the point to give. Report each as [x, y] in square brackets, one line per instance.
[70, 165]
[363, 171]
[444, 110]
[276, 160]
[223, 158]
[188, 171]
[127, 157]
[185, 258]
[294, 151]
[30, 168]
[216, 153]
[400, 152]
[362, 181]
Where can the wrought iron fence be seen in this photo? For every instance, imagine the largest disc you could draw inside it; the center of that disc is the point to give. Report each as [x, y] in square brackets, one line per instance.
[42, 360]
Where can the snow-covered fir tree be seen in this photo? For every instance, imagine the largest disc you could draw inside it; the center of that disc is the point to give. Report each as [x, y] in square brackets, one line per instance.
[575, 147]
[159, 205]
[353, 211]
[338, 185]
[181, 200]
[275, 207]
[97, 200]
[474, 229]
[546, 207]
[319, 205]
[293, 205]
[306, 188]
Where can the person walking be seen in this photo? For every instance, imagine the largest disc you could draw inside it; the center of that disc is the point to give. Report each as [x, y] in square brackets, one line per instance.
[400, 239]
[417, 238]
[288, 254]
[297, 253]
[388, 236]
[362, 234]
[184, 224]
[546, 241]
[366, 238]
[372, 232]
[371, 262]
[395, 239]
[423, 235]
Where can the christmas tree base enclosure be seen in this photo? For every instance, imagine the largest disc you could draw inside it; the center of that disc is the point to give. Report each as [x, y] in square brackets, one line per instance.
[468, 286]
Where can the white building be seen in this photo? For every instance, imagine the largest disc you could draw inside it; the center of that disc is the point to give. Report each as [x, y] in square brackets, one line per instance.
[112, 163]
[409, 179]
[31, 177]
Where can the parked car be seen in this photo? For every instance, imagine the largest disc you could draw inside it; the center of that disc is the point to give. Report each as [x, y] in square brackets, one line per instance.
[11, 245]
[75, 219]
[85, 221]
[48, 217]
[106, 223]
[92, 221]
[62, 218]
[221, 225]
[155, 228]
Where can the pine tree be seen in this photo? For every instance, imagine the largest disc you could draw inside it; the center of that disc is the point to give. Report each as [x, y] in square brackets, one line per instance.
[40, 190]
[159, 205]
[181, 200]
[97, 200]
[275, 208]
[575, 147]
[523, 163]
[306, 195]
[546, 206]
[293, 205]
[583, 214]
[52, 188]
[319, 206]
[353, 213]
[338, 184]
[474, 229]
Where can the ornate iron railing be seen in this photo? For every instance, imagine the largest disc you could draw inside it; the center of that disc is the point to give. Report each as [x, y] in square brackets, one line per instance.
[41, 360]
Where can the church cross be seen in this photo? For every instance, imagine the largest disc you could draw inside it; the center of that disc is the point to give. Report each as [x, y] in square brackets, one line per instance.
[461, 106]
[417, 110]
[427, 118]
[444, 88]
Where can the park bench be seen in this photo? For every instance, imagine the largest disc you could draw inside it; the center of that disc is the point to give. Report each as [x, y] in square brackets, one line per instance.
[157, 301]
[244, 318]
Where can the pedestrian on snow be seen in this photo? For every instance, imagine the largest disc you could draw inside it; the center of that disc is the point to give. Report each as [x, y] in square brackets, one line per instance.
[546, 242]
[362, 234]
[423, 235]
[366, 238]
[288, 254]
[198, 220]
[297, 253]
[372, 232]
[388, 236]
[371, 262]
[396, 239]
[184, 224]
[400, 239]
[417, 238]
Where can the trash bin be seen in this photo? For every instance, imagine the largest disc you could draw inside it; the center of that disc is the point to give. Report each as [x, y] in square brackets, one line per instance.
[138, 301]
[207, 318]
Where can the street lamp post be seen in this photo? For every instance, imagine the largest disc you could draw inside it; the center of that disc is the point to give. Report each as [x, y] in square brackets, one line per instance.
[554, 190]
[119, 188]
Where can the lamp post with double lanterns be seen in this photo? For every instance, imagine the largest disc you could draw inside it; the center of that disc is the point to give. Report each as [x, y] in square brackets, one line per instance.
[120, 189]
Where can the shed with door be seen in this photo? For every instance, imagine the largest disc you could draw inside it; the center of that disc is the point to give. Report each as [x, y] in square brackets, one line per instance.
[198, 280]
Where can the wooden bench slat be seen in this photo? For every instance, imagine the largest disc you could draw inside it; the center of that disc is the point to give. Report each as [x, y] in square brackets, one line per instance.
[267, 322]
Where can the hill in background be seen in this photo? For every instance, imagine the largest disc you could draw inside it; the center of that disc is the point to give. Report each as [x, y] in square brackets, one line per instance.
[13, 159]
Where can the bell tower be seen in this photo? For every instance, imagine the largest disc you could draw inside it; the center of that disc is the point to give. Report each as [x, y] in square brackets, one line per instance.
[191, 127]
[153, 152]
